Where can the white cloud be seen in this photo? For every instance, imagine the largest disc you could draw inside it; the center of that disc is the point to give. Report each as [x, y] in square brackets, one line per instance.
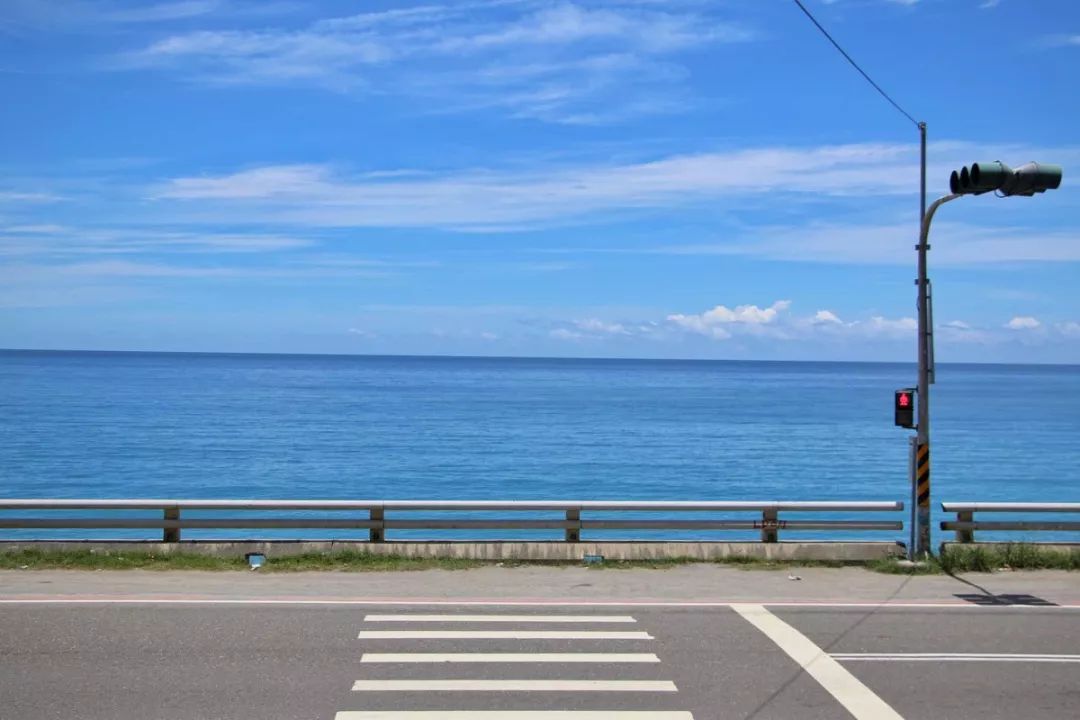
[987, 4]
[722, 323]
[826, 317]
[1069, 329]
[1023, 322]
[717, 323]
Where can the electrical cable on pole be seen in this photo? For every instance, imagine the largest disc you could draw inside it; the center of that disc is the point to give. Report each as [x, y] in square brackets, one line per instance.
[919, 467]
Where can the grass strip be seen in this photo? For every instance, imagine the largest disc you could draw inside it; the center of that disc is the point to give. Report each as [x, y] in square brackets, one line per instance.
[1014, 556]
[34, 559]
[955, 559]
[343, 560]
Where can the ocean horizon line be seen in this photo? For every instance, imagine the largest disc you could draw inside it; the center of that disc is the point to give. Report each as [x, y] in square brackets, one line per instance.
[567, 358]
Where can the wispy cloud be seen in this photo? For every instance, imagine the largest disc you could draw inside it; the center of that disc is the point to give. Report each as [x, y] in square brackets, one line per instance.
[57, 241]
[319, 196]
[96, 16]
[889, 244]
[475, 199]
[1061, 40]
[560, 62]
[27, 197]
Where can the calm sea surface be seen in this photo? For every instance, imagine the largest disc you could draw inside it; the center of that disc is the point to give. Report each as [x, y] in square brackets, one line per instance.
[117, 425]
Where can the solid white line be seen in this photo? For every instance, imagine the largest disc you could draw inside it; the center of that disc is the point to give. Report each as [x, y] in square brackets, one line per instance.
[859, 700]
[958, 605]
[501, 634]
[514, 686]
[957, 657]
[514, 715]
[509, 658]
[502, 618]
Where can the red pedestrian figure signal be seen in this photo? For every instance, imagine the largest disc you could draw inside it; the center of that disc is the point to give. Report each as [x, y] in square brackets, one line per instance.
[904, 408]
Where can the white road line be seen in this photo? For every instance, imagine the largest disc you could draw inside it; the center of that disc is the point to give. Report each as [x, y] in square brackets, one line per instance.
[958, 605]
[500, 635]
[859, 700]
[509, 658]
[502, 618]
[514, 686]
[514, 715]
[957, 657]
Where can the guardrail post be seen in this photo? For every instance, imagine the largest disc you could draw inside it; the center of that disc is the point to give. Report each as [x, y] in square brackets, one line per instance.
[770, 526]
[573, 534]
[965, 536]
[171, 534]
[375, 534]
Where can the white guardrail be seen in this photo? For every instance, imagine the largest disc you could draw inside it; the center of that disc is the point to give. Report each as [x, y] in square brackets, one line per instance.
[377, 515]
[965, 524]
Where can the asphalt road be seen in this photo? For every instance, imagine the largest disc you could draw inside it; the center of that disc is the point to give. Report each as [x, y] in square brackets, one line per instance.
[147, 659]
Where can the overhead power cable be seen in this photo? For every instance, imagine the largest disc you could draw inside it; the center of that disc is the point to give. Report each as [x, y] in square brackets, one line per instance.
[855, 64]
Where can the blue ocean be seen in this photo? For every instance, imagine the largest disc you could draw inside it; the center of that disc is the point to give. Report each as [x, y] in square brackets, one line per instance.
[164, 425]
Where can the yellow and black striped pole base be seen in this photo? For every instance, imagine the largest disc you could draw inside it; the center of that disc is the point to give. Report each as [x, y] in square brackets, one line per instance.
[922, 498]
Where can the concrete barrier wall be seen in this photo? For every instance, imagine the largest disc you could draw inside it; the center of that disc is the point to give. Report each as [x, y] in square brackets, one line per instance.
[538, 551]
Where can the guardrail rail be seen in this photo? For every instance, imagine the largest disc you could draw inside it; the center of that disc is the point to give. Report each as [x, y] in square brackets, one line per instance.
[378, 516]
[965, 524]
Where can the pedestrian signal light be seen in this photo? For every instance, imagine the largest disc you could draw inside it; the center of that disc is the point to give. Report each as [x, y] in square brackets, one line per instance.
[904, 408]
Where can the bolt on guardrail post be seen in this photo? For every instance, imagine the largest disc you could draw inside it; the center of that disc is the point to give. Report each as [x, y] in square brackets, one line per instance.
[573, 533]
[375, 534]
[965, 536]
[770, 526]
[171, 534]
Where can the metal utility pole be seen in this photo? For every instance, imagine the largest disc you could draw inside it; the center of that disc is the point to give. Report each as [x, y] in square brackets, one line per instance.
[920, 511]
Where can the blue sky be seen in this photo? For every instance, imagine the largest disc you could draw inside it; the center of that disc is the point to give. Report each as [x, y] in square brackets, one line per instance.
[521, 177]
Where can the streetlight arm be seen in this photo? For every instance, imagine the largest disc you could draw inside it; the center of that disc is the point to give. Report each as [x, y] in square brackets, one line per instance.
[925, 232]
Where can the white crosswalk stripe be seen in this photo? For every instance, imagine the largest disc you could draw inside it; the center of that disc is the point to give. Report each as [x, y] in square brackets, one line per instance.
[394, 674]
[514, 715]
[594, 619]
[577, 657]
[501, 635]
[514, 686]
